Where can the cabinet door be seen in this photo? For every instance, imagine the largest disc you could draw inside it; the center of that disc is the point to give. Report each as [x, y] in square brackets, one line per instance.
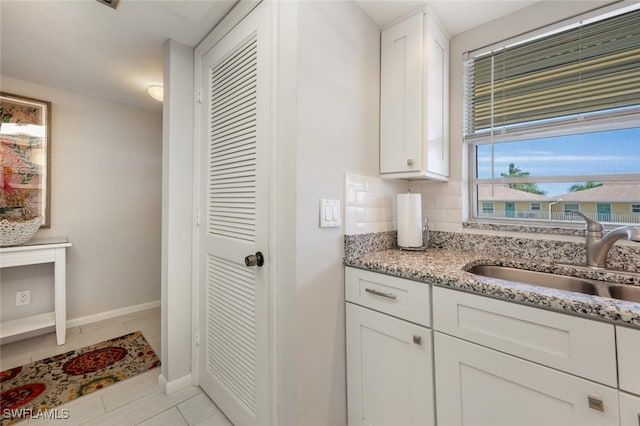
[629, 410]
[436, 99]
[476, 386]
[389, 370]
[628, 341]
[401, 97]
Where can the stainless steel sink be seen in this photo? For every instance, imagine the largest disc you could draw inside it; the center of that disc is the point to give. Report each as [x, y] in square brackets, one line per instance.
[543, 279]
[629, 293]
[625, 292]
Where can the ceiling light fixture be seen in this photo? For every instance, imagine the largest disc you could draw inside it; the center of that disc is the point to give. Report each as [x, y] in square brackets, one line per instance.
[156, 92]
[110, 3]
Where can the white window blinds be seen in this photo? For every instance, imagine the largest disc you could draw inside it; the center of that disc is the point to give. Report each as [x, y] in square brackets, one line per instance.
[592, 69]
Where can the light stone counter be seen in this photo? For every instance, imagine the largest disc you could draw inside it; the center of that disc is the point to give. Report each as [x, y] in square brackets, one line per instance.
[446, 268]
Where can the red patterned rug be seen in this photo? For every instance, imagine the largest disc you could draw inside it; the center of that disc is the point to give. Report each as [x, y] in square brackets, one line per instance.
[34, 389]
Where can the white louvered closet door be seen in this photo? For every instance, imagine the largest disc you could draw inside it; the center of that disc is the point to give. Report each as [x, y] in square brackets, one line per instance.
[235, 175]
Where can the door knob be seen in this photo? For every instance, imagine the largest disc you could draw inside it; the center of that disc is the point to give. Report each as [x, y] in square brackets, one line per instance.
[254, 259]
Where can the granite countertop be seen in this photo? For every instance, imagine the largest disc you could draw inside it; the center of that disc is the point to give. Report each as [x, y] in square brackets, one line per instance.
[445, 268]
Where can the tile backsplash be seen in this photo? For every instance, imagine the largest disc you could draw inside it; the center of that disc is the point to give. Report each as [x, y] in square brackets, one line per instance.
[370, 204]
[441, 203]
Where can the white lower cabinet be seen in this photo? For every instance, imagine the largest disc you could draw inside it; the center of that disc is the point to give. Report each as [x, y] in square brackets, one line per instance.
[487, 362]
[477, 386]
[389, 370]
[629, 410]
[628, 341]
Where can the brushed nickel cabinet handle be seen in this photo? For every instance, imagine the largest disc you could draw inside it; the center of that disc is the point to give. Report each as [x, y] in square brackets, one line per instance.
[410, 162]
[596, 403]
[381, 294]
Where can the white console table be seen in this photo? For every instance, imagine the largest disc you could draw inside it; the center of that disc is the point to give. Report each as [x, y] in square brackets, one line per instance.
[32, 253]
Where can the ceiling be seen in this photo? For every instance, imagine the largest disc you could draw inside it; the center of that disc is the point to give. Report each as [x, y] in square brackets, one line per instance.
[89, 48]
[456, 16]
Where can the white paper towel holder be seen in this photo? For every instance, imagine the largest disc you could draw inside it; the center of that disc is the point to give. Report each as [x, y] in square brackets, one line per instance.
[425, 239]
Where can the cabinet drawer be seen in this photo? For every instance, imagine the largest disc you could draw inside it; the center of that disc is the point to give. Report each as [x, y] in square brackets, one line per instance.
[629, 359]
[409, 300]
[576, 345]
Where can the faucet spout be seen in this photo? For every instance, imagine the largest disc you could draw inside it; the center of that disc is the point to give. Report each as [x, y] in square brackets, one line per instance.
[631, 233]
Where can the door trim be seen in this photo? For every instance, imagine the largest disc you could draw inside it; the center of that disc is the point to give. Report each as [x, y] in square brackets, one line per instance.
[235, 15]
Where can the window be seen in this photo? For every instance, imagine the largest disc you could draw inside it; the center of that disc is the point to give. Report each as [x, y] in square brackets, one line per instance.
[487, 209]
[552, 118]
[635, 208]
[568, 208]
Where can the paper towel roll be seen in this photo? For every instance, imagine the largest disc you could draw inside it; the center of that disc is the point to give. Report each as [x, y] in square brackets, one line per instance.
[409, 220]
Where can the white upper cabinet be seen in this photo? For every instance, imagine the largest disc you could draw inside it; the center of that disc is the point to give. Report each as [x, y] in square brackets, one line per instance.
[414, 100]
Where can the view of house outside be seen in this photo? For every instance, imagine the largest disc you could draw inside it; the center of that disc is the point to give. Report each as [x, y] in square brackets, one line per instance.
[616, 202]
[610, 154]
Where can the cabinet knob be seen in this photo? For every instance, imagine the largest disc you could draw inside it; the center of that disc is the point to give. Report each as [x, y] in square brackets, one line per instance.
[417, 339]
[596, 403]
[410, 162]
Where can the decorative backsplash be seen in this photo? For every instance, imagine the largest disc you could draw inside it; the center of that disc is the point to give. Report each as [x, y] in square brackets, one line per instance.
[626, 258]
[370, 204]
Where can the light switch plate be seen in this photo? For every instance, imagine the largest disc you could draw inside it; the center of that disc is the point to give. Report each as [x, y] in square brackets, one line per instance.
[329, 213]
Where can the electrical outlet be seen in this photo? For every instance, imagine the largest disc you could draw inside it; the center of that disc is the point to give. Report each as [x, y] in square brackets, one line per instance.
[23, 297]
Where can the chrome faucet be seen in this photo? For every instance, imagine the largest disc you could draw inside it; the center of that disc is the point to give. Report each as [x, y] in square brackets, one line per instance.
[598, 246]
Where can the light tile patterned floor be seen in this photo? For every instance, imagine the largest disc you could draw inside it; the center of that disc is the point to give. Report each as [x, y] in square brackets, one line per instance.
[136, 401]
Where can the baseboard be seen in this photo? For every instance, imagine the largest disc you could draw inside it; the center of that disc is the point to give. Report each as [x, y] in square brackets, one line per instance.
[112, 314]
[85, 320]
[174, 385]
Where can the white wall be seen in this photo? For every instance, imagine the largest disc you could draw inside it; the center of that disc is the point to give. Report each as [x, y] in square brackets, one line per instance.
[338, 94]
[106, 192]
[177, 223]
[445, 203]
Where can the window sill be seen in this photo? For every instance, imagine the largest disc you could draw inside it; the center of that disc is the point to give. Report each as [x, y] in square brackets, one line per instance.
[535, 228]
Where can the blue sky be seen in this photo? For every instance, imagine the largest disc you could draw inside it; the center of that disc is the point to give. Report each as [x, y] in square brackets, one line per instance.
[616, 151]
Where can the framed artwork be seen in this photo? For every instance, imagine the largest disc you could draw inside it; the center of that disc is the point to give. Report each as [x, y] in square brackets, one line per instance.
[25, 158]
